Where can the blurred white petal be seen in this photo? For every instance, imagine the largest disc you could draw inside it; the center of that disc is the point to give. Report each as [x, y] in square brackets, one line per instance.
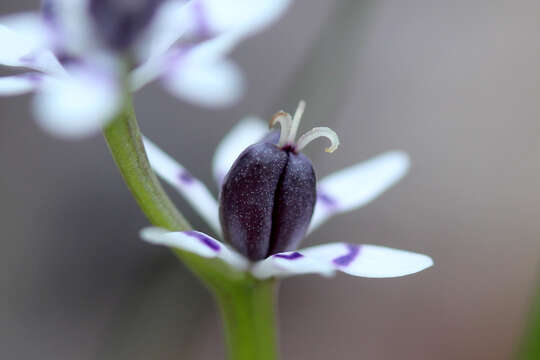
[368, 260]
[168, 24]
[145, 73]
[355, 186]
[20, 36]
[237, 15]
[204, 81]
[290, 264]
[72, 27]
[79, 104]
[25, 43]
[197, 243]
[167, 61]
[19, 84]
[246, 132]
[191, 188]
[28, 26]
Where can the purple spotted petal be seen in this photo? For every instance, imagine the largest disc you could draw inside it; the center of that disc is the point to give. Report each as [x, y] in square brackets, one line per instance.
[206, 240]
[197, 243]
[368, 260]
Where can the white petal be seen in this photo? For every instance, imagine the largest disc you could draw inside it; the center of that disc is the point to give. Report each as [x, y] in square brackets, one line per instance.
[204, 81]
[197, 243]
[13, 47]
[238, 15]
[369, 260]
[146, 73]
[192, 189]
[20, 36]
[28, 26]
[25, 43]
[161, 58]
[72, 29]
[289, 264]
[79, 104]
[168, 24]
[246, 132]
[355, 186]
[19, 84]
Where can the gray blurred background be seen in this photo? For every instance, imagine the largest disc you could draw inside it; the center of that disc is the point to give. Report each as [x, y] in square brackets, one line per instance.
[454, 83]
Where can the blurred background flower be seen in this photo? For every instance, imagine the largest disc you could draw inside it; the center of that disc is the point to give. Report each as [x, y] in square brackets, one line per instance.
[453, 84]
[82, 55]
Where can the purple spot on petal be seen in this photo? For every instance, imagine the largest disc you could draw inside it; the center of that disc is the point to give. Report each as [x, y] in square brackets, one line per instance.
[292, 256]
[203, 28]
[28, 58]
[185, 177]
[347, 259]
[212, 244]
[175, 57]
[326, 199]
[33, 77]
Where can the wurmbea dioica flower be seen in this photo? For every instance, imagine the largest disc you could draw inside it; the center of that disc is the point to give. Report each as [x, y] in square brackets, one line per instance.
[84, 55]
[269, 200]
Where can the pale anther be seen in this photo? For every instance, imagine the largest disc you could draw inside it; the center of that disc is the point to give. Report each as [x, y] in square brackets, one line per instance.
[284, 121]
[316, 133]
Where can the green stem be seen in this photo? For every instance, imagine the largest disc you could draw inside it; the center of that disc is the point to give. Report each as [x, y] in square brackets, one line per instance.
[250, 325]
[530, 349]
[247, 304]
[124, 139]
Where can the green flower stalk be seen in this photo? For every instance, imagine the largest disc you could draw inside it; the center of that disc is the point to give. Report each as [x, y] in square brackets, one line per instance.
[530, 348]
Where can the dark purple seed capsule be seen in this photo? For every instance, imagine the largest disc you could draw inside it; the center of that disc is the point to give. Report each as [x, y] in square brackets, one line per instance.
[294, 204]
[247, 199]
[268, 196]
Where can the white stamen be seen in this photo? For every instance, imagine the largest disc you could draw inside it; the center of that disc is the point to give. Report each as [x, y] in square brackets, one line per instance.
[284, 121]
[296, 121]
[316, 133]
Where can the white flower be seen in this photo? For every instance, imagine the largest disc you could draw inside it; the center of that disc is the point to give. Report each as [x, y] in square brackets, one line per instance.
[77, 53]
[342, 191]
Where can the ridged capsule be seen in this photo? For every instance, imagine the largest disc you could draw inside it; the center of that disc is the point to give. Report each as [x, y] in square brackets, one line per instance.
[268, 196]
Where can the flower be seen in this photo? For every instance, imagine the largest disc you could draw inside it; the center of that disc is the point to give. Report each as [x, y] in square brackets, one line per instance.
[83, 55]
[340, 192]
